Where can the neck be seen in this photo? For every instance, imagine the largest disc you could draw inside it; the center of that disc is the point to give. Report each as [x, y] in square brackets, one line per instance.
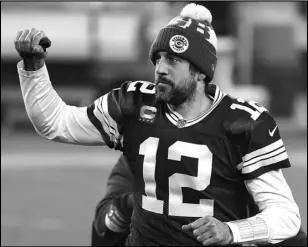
[195, 106]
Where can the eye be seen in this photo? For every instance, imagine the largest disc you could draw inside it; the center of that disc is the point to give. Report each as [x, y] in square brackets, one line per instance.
[157, 58]
[170, 59]
[174, 59]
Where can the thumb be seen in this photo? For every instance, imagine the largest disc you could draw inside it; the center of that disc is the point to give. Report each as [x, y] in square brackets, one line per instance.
[187, 227]
[38, 49]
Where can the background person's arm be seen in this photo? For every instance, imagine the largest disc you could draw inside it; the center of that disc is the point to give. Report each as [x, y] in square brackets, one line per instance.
[117, 198]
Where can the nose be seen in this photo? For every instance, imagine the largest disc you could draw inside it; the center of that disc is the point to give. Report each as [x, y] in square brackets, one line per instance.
[161, 67]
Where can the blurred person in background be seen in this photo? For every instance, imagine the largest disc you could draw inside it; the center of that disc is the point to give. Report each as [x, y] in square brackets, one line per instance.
[196, 153]
[114, 211]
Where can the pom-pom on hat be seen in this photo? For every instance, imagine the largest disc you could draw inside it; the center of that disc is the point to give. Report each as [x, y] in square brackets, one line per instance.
[190, 36]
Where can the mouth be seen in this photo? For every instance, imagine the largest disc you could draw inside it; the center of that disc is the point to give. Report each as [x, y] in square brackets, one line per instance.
[163, 82]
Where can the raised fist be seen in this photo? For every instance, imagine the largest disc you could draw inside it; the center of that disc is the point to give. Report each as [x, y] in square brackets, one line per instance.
[27, 44]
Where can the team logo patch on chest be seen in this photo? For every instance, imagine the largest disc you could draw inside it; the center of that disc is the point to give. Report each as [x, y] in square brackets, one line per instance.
[147, 114]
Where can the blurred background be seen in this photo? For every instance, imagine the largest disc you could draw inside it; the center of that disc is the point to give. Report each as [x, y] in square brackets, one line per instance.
[48, 190]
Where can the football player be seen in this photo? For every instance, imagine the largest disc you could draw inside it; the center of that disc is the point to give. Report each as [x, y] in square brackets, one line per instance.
[196, 153]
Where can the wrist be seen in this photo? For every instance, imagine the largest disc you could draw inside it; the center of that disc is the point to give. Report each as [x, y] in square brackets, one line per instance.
[250, 230]
[33, 64]
[115, 220]
[230, 239]
[234, 232]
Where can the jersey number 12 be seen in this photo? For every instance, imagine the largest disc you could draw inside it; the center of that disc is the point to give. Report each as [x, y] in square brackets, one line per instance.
[176, 181]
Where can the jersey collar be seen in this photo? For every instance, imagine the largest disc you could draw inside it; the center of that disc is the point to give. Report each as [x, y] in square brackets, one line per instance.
[175, 118]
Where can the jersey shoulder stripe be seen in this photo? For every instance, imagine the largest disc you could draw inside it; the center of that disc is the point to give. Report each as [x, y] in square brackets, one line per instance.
[110, 112]
[99, 126]
[261, 148]
[271, 154]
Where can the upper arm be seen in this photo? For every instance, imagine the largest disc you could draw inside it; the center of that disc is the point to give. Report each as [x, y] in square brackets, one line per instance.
[74, 127]
[264, 149]
[110, 112]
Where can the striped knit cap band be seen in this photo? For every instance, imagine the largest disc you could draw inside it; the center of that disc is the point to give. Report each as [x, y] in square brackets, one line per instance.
[191, 39]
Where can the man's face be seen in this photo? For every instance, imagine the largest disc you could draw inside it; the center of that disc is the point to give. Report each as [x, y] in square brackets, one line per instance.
[175, 82]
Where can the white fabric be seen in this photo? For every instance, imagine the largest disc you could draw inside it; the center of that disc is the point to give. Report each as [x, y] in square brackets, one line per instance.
[274, 198]
[56, 121]
[50, 116]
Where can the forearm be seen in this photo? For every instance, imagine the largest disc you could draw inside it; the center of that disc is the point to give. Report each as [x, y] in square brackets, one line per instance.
[42, 103]
[100, 213]
[274, 227]
[50, 116]
[120, 183]
[279, 217]
[102, 235]
[119, 192]
[118, 204]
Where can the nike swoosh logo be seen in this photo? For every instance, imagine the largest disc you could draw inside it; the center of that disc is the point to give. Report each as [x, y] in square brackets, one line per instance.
[271, 133]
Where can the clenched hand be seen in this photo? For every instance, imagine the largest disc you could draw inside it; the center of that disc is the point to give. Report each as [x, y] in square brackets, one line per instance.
[27, 46]
[210, 231]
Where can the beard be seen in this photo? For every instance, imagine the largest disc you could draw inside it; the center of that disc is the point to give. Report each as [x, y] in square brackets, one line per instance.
[166, 91]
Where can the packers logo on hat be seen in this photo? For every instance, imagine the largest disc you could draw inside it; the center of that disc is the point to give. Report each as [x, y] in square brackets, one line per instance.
[178, 43]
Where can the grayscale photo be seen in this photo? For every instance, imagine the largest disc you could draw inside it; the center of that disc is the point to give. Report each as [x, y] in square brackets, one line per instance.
[154, 123]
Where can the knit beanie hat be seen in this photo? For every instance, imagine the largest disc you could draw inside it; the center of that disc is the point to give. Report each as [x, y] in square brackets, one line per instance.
[191, 37]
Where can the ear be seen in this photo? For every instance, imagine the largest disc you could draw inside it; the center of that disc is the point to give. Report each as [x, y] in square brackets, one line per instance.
[201, 76]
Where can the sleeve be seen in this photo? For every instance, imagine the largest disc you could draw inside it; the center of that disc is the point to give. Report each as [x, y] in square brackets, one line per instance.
[263, 155]
[120, 184]
[264, 149]
[50, 116]
[119, 181]
[278, 218]
[299, 240]
[110, 112]
[99, 124]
